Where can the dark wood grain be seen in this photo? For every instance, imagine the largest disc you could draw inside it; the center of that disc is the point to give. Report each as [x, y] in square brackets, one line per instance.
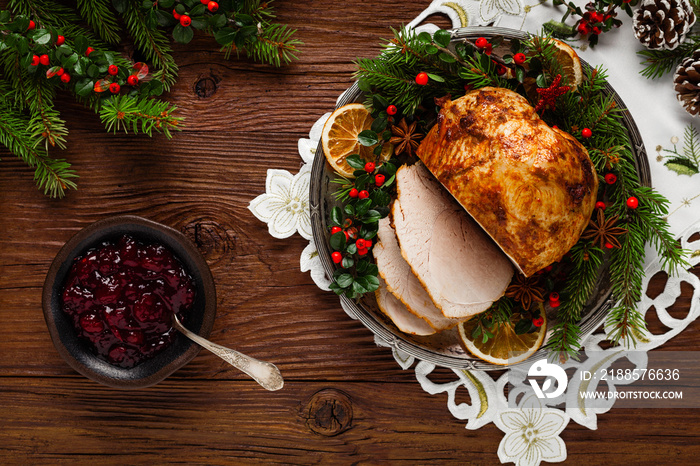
[345, 400]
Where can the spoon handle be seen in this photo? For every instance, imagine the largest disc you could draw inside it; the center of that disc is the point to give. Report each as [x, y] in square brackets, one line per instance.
[264, 373]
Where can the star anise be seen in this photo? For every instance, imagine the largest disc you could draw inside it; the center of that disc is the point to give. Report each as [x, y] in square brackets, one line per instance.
[405, 138]
[525, 291]
[603, 231]
[549, 95]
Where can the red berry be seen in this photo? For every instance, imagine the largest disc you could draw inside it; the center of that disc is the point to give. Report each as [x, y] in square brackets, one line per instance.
[586, 133]
[362, 251]
[88, 51]
[113, 69]
[35, 60]
[609, 245]
[132, 80]
[176, 15]
[596, 30]
[60, 72]
[553, 297]
[392, 110]
[44, 60]
[538, 322]
[632, 202]
[364, 194]
[204, 2]
[347, 235]
[185, 21]
[597, 16]
[65, 77]
[369, 167]
[360, 243]
[212, 6]
[583, 28]
[600, 205]
[481, 42]
[610, 178]
[353, 192]
[337, 257]
[500, 69]
[335, 230]
[379, 179]
[32, 25]
[114, 88]
[519, 58]
[422, 79]
[60, 40]
[368, 243]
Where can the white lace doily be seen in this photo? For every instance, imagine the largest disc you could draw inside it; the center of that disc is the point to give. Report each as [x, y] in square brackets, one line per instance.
[531, 428]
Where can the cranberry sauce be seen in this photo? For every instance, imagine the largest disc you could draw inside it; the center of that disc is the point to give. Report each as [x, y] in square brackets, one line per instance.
[121, 297]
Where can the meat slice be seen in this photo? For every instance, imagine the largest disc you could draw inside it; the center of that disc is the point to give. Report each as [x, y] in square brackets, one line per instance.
[402, 282]
[531, 187]
[399, 315]
[460, 267]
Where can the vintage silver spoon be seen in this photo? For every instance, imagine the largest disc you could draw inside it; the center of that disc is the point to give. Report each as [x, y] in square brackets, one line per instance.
[264, 373]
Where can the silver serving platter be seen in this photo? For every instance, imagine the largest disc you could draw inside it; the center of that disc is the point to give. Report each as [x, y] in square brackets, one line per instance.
[443, 348]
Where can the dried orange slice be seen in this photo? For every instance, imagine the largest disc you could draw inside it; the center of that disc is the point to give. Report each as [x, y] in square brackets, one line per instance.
[506, 347]
[339, 137]
[570, 63]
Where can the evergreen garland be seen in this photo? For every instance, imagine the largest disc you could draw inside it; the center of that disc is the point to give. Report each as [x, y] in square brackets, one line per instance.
[453, 68]
[46, 48]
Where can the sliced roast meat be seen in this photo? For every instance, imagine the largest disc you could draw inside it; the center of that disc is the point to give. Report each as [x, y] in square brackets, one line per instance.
[459, 265]
[399, 315]
[402, 282]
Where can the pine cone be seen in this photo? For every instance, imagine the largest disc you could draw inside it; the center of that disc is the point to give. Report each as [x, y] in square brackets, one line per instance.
[687, 83]
[663, 24]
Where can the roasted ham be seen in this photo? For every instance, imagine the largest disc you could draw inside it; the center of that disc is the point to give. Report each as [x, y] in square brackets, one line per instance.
[399, 315]
[531, 187]
[459, 266]
[402, 282]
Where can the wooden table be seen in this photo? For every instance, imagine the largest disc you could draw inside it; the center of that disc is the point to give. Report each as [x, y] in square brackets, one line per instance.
[345, 399]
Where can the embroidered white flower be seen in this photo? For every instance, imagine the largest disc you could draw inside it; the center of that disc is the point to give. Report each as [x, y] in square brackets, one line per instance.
[285, 204]
[489, 10]
[307, 147]
[532, 433]
[311, 261]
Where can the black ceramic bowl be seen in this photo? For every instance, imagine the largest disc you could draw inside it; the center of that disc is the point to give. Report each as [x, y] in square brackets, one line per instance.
[77, 353]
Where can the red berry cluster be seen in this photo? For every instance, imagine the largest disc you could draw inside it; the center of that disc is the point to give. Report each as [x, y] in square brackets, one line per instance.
[592, 23]
[363, 245]
[483, 44]
[186, 21]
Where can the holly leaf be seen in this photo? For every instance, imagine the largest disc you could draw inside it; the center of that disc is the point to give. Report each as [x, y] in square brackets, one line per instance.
[437, 78]
[41, 37]
[225, 36]
[344, 280]
[183, 34]
[442, 37]
[336, 216]
[355, 162]
[523, 326]
[338, 241]
[84, 87]
[368, 138]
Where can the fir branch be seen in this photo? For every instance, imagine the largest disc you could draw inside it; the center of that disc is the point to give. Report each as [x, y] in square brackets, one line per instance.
[580, 285]
[153, 43]
[53, 176]
[101, 19]
[45, 122]
[139, 115]
[273, 45]
[659, 62]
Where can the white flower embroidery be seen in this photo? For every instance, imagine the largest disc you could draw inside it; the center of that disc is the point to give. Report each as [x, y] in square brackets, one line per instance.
[490, 9]
[532, 433]
[311, 261]
[307, 147]
[285, 204]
